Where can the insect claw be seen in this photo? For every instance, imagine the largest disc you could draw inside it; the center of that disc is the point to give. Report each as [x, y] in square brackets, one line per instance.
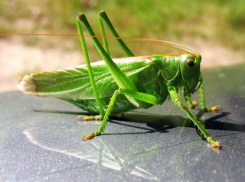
[212, 109]
[215, 108]
[91, 135]
[91, 118]
[194, 104]
[88, 137]
[216, 145]
[87, 118]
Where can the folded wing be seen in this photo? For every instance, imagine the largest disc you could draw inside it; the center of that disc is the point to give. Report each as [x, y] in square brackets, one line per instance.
[74, 83]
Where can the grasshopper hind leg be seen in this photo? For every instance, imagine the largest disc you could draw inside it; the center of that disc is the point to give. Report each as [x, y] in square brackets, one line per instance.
[103, 17]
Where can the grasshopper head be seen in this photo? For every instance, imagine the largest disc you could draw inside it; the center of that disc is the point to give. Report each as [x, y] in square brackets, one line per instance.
[190, 71]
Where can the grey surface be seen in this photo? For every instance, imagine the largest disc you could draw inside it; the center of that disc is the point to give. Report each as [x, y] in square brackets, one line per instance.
[40, 139]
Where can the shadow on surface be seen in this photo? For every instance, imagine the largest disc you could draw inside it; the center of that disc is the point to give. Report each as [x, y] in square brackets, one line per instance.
[160, 123]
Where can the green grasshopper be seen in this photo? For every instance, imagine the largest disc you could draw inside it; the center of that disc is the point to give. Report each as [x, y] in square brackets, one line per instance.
[115, 85]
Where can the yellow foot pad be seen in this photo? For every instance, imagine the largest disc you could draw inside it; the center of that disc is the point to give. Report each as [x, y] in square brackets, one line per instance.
[91, 118]
[88, 137]
[216, 145]
[91, 135]
[215, 108]
[212, 109]
[194, 104]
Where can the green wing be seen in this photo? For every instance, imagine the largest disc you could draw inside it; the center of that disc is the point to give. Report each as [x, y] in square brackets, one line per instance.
[74, 83]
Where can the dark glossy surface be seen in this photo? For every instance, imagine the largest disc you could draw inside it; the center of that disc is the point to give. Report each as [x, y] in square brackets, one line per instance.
[40, 139]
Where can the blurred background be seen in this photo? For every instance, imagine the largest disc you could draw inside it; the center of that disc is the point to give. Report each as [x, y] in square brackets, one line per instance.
[214, 28]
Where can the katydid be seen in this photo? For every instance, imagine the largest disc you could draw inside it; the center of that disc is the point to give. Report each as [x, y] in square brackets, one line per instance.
[119, 85]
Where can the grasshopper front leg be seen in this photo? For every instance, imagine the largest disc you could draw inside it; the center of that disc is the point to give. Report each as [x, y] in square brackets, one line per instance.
[192, 104]
[177, 100]
[203, 103]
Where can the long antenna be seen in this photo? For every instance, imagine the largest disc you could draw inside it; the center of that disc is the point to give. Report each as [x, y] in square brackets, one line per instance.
[150, 41]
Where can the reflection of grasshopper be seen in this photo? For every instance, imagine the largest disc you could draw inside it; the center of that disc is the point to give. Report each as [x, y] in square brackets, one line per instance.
[119, 85]
[102, 154]
[127, 165]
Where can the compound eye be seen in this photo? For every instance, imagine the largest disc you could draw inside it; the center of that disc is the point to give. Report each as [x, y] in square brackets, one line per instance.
[190, 63]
